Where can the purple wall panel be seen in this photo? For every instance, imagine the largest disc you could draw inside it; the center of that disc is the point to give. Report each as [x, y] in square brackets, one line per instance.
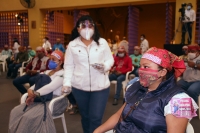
[133, 27]
[168, 24]
[197, 35]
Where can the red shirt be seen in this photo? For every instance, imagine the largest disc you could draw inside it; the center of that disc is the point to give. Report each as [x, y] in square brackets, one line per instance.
[122, 64]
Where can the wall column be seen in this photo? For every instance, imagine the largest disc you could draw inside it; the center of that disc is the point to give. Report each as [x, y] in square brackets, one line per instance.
[133, 27]
[35, 14]
[178, 14]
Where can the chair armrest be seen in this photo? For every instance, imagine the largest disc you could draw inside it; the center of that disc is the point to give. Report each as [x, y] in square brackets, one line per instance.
[127, 74]
[23, 98]
[23, 63]
[53, 101]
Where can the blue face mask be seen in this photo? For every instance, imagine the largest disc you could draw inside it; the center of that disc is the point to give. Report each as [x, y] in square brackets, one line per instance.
[52, 65]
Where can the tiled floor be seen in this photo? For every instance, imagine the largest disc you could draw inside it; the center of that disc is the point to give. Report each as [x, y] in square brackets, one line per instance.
[9, 98]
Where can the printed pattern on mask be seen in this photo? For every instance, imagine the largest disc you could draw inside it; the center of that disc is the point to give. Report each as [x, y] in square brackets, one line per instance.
[147, 76]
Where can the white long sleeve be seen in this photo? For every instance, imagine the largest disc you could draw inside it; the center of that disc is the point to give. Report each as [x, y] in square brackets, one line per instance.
[54, 86]
[109, 60]
[56, 83]
[68, 67]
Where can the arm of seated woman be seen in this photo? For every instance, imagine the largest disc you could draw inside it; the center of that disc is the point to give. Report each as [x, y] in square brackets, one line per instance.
[180, 109]
[111, 122]
[52, 86]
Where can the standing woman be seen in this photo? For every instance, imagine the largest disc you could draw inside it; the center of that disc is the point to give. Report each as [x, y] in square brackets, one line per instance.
[16, 45]
[87, 61]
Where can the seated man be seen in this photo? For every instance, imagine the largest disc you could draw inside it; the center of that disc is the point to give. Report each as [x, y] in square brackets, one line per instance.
[6, 51]
[58, 46]
[13, 56]
[13, 68]
[31, 52]
[136, 60]
[37, 65]
[185, 53]
[121, 66]
[191, 77]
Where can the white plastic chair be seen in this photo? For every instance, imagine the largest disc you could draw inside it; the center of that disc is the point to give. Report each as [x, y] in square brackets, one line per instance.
[3, 61]
[124, 83]
[21, 69]
[51, 105]
[110, 131]
[189, 129]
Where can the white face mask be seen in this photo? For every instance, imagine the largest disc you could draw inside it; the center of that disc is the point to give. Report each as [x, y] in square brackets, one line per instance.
[87, 33]
[121, 55]
[188, 7]
[191, 56]
[136, 52]
[141, 38]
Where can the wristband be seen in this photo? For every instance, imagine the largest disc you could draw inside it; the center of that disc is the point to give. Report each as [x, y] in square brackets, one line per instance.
[36, 93]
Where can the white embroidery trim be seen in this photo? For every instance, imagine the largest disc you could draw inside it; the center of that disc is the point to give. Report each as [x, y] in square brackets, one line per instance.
[152, 58]
[56, 55]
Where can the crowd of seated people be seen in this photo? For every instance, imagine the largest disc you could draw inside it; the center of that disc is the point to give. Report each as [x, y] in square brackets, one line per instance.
[21, 57]
[38, 64]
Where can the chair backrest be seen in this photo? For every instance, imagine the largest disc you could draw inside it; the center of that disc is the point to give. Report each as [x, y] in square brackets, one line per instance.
[3, 57]
[189, 128]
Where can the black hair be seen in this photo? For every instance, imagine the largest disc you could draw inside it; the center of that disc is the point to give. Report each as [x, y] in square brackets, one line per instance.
[75, 34]
[15, 40]
[143, 35]
[62, 65]
[169, 73]
[190, 4]
[46, 38]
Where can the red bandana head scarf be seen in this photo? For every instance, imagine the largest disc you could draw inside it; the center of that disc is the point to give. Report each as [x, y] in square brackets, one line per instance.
[165, 59]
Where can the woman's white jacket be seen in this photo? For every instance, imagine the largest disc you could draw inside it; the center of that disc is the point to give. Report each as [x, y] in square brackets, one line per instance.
[78, 71]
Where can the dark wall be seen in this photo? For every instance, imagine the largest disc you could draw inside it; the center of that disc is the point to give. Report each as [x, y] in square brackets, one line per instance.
[151, 22]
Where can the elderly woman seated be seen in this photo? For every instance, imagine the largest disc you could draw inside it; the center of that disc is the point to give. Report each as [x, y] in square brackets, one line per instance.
[154, 104]
[31, 119]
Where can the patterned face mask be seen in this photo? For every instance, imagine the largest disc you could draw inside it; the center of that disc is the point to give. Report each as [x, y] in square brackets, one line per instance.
[147, 76]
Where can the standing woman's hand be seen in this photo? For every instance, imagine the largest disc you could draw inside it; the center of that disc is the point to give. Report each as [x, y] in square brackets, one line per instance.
[66, 89]
[99, 67]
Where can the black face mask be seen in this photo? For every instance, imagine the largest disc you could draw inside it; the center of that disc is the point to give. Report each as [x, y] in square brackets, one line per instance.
[184, 52]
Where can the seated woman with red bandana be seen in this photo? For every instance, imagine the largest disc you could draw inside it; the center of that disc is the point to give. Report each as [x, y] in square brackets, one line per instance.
[154, 104]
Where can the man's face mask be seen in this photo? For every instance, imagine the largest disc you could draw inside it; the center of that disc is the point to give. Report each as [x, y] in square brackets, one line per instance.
[189, 7]
[121, 54]
[136, 52]
[185, 51]
[87, 29]
[192, 55]
[5, 48]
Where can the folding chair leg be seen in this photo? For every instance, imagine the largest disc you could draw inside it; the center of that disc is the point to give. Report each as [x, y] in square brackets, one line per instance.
[3, 67]
[64, 123]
